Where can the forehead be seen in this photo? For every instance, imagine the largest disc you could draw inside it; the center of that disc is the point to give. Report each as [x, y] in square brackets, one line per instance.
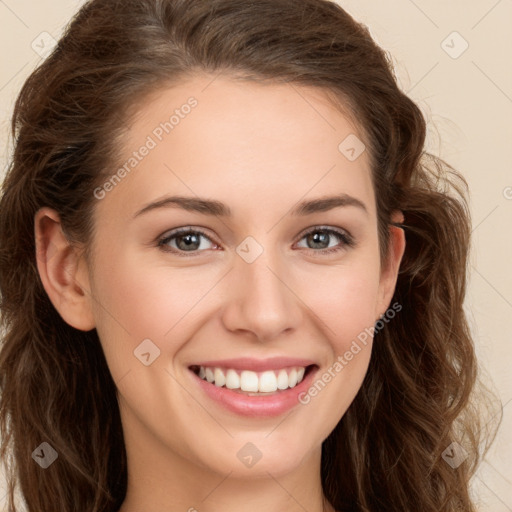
[241, 142]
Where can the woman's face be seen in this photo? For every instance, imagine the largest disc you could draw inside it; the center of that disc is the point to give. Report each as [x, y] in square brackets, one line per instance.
[266, 283]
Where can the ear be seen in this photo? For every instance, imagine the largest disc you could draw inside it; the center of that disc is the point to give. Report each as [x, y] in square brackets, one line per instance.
[62, 271]
[389, 272]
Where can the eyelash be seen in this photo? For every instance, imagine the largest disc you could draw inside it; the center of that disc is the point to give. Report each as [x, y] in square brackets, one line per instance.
[347, 240]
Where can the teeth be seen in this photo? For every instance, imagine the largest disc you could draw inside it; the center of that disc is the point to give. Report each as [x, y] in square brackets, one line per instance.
[282, 379]
[220, 379]
[232, 380]
[248, 381]
[292, 378]
[265, 382]
[268, 382]
[209, 374]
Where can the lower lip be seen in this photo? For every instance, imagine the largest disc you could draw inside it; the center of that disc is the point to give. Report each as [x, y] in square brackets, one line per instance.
[257, 406]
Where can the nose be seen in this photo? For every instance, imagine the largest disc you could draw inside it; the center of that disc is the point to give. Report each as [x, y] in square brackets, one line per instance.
[261, 299]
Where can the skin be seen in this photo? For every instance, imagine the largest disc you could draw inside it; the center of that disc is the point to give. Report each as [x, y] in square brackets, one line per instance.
[260, 149]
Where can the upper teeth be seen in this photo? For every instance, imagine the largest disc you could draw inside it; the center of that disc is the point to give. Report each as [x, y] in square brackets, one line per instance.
[247, 380]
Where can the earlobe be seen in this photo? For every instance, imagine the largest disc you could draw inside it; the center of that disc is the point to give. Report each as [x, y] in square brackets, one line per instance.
[62, 271]
[389, 273]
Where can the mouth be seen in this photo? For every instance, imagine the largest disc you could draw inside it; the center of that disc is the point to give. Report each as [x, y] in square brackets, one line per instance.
[254, 388]
[254, 383]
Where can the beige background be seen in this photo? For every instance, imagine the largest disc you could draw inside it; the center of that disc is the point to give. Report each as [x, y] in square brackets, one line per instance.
[467, 101]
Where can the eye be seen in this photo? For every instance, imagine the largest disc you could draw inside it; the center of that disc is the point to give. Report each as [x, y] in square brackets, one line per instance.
[320, 238]
[184, 240]
[188, 240]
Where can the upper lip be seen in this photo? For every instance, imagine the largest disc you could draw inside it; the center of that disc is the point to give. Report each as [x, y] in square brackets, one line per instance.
[256, 365]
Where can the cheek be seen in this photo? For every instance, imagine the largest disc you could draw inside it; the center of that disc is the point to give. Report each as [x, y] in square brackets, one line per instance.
[344, 298]
[135, 301]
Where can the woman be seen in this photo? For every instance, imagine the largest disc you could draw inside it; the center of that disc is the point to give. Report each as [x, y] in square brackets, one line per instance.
[231, 276]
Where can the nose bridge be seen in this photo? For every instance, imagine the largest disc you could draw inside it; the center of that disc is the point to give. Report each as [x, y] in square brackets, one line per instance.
[260, 299]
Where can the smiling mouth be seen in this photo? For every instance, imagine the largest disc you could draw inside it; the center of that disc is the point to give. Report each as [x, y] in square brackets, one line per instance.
[252, 383]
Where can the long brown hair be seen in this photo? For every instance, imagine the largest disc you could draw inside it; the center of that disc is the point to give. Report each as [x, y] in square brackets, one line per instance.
[386, 453]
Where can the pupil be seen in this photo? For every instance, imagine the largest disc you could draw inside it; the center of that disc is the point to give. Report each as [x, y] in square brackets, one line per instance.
[319, 237]
[190, 240]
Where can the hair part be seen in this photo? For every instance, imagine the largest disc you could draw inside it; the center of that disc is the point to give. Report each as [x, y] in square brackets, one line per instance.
[68, 125]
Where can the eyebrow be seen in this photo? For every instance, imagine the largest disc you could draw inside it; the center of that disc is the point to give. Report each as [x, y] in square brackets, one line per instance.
[217, 208]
